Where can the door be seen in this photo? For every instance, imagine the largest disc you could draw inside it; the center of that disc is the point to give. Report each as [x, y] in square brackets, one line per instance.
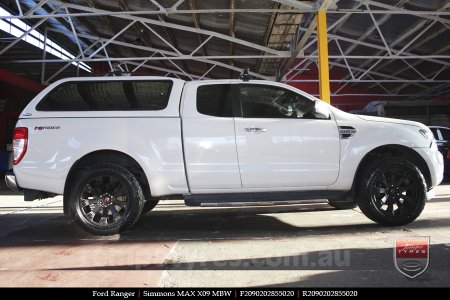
[281, 142]
[208, 137]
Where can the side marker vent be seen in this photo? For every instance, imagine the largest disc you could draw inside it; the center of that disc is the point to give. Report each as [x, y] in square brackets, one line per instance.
[347, 132]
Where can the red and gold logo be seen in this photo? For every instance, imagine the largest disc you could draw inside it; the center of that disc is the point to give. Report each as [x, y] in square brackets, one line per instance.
[412, 255]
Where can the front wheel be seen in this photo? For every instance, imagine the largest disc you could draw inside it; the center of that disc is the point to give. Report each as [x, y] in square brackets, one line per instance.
[391, 191]
[105, 199]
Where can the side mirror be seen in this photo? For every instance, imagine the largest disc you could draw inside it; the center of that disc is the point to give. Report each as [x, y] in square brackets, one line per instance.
[321, 111]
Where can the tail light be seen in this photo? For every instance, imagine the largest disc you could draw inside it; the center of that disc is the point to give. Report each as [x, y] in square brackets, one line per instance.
[20, 141]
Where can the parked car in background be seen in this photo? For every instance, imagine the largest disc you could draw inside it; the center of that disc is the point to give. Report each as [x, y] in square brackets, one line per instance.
[442, 136]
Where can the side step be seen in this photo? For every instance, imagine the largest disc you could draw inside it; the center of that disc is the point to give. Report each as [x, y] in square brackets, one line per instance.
[260, 198]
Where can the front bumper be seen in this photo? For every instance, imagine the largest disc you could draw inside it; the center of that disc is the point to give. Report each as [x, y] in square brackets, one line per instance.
[435, 163]
[11, 181]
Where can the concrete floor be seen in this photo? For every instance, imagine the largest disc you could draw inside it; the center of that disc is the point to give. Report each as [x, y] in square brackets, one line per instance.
[307, 245]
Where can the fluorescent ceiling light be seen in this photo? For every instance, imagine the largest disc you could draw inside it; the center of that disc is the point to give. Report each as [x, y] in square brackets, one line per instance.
[16, 28]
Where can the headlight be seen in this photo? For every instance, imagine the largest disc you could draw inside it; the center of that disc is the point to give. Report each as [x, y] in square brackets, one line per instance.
[427, 134]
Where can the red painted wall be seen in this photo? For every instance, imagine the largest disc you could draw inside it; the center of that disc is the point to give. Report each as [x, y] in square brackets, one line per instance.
[17, 91]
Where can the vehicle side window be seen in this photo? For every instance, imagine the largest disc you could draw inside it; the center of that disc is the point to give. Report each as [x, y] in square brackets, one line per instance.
[215, 100]
[265, 101]
[108, 96]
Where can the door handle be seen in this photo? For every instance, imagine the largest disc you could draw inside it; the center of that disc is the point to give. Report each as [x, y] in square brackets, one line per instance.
[255, 129]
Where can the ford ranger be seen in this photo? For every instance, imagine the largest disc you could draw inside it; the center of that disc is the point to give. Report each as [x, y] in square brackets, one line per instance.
[115, 146]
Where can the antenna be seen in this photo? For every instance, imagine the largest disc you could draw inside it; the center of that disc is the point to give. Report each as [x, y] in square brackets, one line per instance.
[245, 76]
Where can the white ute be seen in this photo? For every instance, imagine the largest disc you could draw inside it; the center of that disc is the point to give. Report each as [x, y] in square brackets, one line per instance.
[115, 146]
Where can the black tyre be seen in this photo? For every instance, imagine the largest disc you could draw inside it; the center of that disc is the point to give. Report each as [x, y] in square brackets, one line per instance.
[343, 205]
[391, 191]
[105, 199]
[149, 205]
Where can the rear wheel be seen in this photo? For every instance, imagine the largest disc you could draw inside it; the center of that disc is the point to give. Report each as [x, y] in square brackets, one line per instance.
[392, 191]
[105, 199]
